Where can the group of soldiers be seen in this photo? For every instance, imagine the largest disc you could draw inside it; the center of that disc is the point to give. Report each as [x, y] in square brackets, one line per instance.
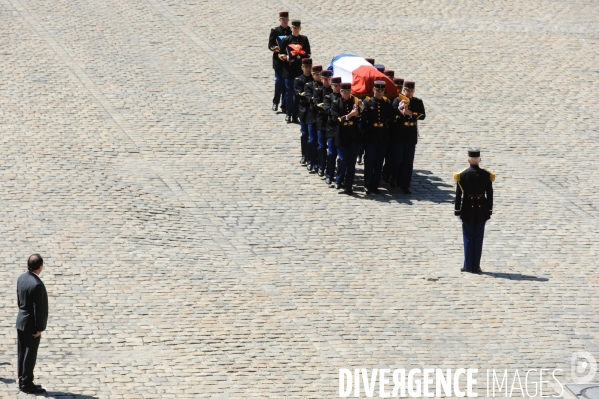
[337, 128]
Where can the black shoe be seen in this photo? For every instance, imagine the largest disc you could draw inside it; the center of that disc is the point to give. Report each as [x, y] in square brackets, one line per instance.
[32, 389]
[295, 120]
[275, 107]
[478, 271]
[463, 270]
[386, 178]
[406, 190]
[347, 192]
[359, 159]
[327, 180]
[338, 186]
[309, 167]
[288, 118]
[375, 190]
[321, 173]
[283, 110]
[303, 160]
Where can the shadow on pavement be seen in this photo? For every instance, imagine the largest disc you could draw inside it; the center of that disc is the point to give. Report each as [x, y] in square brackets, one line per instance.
[515, 276]
[69, 395]
[8, 380]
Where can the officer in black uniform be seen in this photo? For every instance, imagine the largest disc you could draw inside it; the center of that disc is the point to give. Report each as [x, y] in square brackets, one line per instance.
[474, 206]
[393, 128]
[345, 114]
[331, 128]
[293, 48]
[299, 84]
[322, 117]
[377, 116]
[309, 91]
[408, 137]
[277, 64]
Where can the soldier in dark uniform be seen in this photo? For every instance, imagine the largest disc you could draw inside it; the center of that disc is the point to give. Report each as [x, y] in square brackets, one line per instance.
[407, 124]
[277, 64]
[322, 118]
[330, 130]
[345, 114]
[392, 136]
[309, 91]
[389, 73]
[299, 84]
[376, 117]
[32, 319]
[293, 48]
[474, 206]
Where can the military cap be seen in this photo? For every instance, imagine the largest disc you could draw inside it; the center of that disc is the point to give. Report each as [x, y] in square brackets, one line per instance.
[296, 22]
[398, 81]
[409, 84]
[371, 60]
[379, 84]
[389, 73]
[380, 67]
[317, 69]
[473, 152]
[336, 80]
[327, 73]
[345, 86]
[306, 61]
[284, 14]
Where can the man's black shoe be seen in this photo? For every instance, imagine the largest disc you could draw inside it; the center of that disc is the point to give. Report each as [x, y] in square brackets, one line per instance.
[478, 271]
[321, 173]
[375, 190]
[275, 107]
[32, 389]
[309, 167]
[303, 160]
[327, 180]
[337, 186]
[463, 270]
[348, 192]
[359, 159]
[288, 118]
[406, 190]
[283, 109]
[295, 120]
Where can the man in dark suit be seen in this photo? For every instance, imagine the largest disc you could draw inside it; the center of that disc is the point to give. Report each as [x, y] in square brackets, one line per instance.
[474, 206]
[31, 321]
[277, 64]
[293, 49]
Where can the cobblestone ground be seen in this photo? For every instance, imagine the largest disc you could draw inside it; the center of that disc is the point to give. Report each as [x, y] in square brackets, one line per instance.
[190, 256]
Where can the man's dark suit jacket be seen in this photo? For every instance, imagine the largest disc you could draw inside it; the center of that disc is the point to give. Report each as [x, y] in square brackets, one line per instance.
[33, 303]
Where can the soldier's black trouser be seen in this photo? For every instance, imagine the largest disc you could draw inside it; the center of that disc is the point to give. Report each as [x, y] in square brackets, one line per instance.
[26, 357]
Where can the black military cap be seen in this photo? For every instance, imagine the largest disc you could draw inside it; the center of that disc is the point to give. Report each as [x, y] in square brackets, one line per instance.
[409, 84]
[327, 73]
[389, 73]
[306, 61]
[317, 69]
[345, 86]
[336, 80]
[296, 22]
[379, 84]
[473, 152]
[284, 14]
[398, 81]
[380, 67]
[371, 60]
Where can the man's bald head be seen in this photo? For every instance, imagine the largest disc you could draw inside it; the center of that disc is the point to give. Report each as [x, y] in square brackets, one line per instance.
[34, 262]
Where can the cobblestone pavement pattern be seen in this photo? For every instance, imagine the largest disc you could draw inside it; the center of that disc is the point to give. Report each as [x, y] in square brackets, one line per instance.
[189, 256]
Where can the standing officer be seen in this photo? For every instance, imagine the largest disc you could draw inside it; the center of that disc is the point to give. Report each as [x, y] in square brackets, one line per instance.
[392, 136]
[322, 118]
[408, 137]
[310, 89]
[474, 206]
[331, 128]
[277, 64]
[375, 121]
[299, 84]
[345, 114]
[32, 300]
[293, 48]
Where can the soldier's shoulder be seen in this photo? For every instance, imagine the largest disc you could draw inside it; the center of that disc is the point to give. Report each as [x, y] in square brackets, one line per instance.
[490, 174]
[457, 176]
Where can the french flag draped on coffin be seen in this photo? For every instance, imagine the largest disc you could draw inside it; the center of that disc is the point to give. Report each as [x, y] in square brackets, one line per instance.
[360, 73]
